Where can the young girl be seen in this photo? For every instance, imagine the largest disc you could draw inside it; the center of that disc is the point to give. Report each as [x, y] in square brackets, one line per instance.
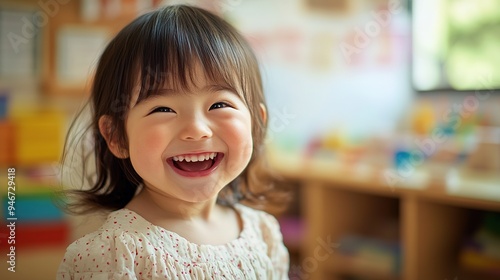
[178, 125]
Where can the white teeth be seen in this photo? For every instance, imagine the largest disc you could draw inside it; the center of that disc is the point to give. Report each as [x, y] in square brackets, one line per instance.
[195, 158]
[179, 158]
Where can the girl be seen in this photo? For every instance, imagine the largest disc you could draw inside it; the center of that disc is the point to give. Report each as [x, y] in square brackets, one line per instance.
[178, 127]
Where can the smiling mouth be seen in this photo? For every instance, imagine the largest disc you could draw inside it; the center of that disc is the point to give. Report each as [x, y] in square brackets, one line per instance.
[195, 165]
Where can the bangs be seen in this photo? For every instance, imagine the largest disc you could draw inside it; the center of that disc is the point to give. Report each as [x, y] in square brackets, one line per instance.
[177, 39]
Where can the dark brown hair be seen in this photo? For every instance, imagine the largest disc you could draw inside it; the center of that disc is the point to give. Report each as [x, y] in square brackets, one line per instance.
[159, 47]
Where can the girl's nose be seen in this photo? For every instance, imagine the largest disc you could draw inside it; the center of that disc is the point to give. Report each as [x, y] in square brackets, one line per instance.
[196, 128]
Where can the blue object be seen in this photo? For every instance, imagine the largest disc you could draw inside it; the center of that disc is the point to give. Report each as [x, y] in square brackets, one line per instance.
[401, 158]
[4, 99]
[32, 208]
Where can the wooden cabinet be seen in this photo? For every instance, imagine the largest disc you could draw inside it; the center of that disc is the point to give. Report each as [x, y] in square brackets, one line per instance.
[428, 224]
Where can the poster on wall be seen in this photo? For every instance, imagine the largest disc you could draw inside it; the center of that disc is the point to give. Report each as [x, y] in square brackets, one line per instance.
[19, 44]
[78, 50]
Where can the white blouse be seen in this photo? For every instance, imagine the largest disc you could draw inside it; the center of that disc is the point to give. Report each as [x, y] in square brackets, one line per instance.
[127, 246]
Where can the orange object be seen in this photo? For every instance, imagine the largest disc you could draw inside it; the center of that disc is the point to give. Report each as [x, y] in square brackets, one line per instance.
[423, 119]
[6, 143]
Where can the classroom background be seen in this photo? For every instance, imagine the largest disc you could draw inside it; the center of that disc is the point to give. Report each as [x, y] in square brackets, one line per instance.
[384, 125]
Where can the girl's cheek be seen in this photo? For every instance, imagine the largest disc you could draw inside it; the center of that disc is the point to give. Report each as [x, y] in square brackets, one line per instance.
[148, 142]
[237, 132]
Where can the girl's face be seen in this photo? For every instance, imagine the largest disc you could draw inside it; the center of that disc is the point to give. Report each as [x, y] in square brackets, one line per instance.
[189, 145]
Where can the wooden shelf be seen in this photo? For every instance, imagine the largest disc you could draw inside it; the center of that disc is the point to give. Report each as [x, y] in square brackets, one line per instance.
[471, 274]
[345, 265]
[371, 180]
[339, 201]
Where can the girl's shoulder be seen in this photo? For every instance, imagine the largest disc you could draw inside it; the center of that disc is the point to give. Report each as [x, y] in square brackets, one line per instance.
[252, 213]
[118, 233]
[266, 226]
[110, 248]
[259, 220]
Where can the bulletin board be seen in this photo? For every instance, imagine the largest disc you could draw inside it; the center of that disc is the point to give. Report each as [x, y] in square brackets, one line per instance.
[76, 36]
[78, 49]
[20, 45]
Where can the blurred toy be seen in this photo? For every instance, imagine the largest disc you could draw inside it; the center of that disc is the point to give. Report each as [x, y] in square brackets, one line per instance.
[38, 137]
[482, 252]
[486, 156]
[39, 222]
[6, 143]
[4, 98]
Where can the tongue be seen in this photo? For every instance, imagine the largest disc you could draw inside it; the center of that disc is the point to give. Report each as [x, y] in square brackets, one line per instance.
[194, 166]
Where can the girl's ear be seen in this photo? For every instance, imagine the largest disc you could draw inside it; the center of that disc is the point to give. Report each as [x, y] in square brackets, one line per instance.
[105, 127]
[263, 112]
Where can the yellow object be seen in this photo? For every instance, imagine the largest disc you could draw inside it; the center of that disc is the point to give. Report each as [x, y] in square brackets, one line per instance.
[38, 137]
[333, 141]
[423, 119]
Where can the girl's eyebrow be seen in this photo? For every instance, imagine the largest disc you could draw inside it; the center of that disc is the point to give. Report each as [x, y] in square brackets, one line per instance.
[216, 87]
[168, 91]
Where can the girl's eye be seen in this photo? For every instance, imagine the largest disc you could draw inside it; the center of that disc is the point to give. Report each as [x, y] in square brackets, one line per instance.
[219, 105]
[162, 110]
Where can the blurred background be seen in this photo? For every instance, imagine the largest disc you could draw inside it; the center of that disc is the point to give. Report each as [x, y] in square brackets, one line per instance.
[384, 123]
